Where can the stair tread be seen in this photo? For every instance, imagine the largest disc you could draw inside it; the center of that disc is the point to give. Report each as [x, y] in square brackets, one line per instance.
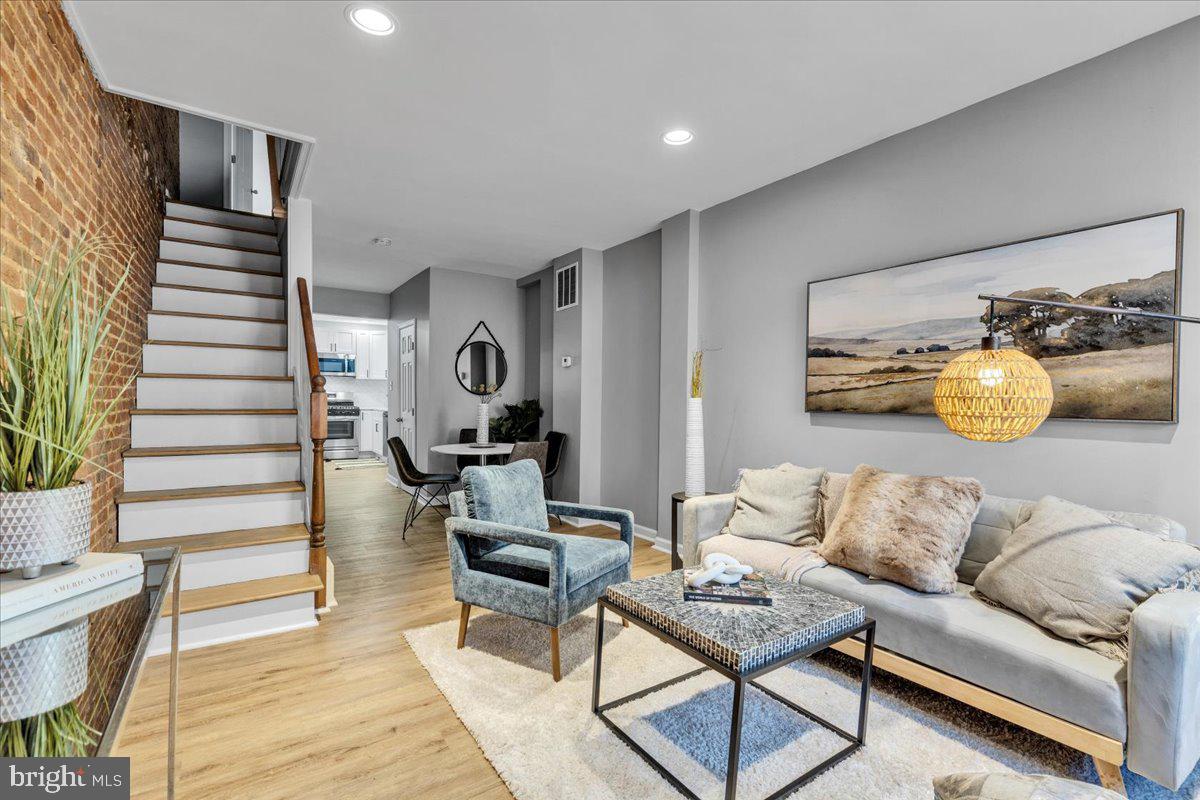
[202, 243]
[222, 210]
[234, 317]
[232, 594]
[215, 290]
[170, 412]
[223, 540]
[169, 218]
[202, 265]
[227, 345]
[204, 376]
[211, 450]
[200, 492]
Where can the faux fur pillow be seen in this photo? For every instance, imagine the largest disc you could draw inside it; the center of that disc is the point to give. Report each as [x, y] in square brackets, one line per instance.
[907, 529]
[779, 504]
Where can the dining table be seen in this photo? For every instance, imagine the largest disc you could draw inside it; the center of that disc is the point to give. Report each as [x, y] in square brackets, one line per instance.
[469, 449]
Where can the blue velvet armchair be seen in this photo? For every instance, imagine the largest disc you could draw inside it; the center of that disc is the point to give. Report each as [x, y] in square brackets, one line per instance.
[534, 574]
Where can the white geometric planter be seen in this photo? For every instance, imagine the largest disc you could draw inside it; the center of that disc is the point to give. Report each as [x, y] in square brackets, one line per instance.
[43, 672]
[693, 455]
[44, 527]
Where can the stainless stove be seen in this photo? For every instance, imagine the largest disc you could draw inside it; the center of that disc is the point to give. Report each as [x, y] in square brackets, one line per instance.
[342, 439]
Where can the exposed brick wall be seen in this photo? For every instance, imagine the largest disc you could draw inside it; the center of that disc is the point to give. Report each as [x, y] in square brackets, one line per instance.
[76, 159]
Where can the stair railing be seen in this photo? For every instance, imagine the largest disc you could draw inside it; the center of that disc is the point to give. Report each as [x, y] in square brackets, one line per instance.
[318, 431]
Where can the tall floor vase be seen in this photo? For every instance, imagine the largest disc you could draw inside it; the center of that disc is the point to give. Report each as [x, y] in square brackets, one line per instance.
[693, 464]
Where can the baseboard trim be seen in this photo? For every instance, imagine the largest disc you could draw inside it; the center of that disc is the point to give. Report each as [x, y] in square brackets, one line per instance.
[639, 532]
[161, 650]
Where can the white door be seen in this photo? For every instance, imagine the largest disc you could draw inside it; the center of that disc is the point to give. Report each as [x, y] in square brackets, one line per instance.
[408, 386]
[241, 169]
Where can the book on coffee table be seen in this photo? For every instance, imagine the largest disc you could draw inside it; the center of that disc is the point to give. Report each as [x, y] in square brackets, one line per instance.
[749, 591]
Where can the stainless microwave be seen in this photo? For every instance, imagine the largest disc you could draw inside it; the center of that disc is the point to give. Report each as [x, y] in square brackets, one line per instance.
[336, 364]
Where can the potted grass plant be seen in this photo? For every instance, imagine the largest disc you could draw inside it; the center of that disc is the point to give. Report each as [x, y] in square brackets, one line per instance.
[55, 346]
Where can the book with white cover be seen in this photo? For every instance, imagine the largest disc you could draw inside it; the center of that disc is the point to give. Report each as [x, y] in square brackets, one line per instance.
[64, 611]
[64, 581]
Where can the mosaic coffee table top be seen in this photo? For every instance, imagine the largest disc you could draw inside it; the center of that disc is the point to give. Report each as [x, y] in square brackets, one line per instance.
[740, 637]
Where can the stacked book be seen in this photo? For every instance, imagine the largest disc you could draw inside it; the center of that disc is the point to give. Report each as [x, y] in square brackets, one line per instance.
[64, 581]
[751, 590]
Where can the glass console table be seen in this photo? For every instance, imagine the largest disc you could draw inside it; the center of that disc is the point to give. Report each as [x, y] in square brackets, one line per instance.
[99, 641]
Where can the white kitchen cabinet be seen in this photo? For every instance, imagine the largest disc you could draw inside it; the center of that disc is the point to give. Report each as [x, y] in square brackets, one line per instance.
[333, 338]
[371, 350]
[371, 433]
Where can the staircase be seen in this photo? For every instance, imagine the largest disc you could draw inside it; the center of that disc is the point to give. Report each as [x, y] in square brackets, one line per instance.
[214, 466]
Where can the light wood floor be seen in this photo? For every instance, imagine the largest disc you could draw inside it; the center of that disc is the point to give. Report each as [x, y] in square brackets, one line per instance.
[343, 710]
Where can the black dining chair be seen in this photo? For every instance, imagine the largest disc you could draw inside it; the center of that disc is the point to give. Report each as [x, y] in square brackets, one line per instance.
[557, 444]
[466, 436]
[418, 480]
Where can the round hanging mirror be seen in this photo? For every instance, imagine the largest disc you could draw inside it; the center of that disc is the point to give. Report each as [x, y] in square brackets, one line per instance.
[480, 367]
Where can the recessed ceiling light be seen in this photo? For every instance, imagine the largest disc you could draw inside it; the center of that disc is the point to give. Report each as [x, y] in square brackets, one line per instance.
[678, 137]
[382, 241]
[371, 19]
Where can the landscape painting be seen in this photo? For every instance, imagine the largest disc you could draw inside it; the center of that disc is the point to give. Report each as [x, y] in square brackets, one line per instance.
[877, 340]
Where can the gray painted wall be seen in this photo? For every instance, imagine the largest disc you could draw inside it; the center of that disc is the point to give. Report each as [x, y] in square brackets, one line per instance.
[350, 303]
[531, 304]
[201, 160]
[1112, 138]
[629, 414]
[566, 340]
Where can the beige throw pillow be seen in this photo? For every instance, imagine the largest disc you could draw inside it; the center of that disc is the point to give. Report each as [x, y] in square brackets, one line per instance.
[1008, 786]
[908, 529]
[780, 504]
[1079, 574]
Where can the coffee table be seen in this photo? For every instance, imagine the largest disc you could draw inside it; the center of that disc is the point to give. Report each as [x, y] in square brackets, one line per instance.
[741, 643]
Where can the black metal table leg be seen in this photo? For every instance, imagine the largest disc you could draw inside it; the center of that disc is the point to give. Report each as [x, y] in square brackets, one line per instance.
[865, 696]
[735, 739]
[599, 653]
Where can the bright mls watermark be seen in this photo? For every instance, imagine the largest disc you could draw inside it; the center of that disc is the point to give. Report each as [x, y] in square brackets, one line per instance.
[68, 778]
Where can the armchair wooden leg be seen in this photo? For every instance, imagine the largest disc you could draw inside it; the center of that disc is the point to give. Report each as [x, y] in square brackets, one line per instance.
[463, 616]
[624, 622]
[555, 668]
[1110, 776]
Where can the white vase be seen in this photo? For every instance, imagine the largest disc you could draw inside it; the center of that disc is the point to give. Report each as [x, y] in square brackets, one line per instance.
[481, 424]
[693, 454]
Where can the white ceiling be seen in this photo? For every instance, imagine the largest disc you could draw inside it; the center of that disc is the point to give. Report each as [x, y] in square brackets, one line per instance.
[493, 136]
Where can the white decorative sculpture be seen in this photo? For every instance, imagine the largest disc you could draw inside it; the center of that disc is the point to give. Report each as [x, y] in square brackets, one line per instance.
[720, 568]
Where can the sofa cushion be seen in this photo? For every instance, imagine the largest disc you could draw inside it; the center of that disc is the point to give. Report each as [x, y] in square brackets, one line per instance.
[774, 558]
[587, 557]
[778, 504]
[1074, 571]
[905, 528]
[990, 647]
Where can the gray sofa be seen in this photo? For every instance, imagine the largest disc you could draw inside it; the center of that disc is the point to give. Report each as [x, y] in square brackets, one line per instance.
[1145, 712]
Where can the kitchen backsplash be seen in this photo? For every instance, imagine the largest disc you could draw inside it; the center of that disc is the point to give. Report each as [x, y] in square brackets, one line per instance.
[367, 394]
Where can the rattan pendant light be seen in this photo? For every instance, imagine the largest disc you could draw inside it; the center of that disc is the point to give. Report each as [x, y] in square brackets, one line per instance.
[993, 395]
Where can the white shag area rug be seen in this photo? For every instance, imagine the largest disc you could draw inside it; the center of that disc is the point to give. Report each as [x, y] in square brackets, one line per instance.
[546, 744]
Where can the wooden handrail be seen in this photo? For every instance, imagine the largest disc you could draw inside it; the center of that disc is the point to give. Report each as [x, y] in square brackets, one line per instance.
[277, 209]
[318, 431]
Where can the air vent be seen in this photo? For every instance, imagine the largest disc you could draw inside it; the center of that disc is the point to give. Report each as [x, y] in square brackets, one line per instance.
[566, 282]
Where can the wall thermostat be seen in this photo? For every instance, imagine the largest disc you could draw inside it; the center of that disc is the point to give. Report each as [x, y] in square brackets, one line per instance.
[566, 361]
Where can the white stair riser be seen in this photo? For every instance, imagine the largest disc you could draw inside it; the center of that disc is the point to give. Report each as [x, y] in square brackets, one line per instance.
[233, 623]
[139, 521]
[211, 233]
[217, 469]
[184, 430]
[183, 275]
[220, 217]
[230, 331]
[238, 564]
[201, 302]
[209, 393]
[204, 254]
[212, 360]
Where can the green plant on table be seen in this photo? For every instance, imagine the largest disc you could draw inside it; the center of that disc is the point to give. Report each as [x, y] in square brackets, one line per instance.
[518, 423]
[51, 358]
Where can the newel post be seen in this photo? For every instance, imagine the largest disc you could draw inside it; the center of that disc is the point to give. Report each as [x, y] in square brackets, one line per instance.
[319, 431]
